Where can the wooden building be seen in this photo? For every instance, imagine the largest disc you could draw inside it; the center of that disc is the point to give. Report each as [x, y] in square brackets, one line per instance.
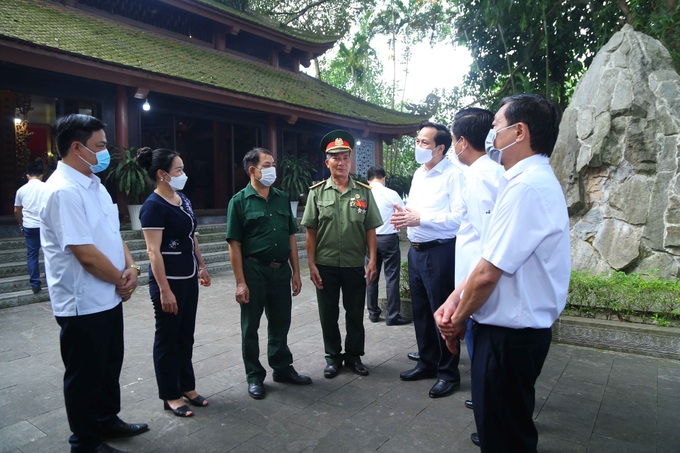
[218, 81]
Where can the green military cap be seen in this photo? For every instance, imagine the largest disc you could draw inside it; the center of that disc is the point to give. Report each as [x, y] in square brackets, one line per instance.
[338, 141]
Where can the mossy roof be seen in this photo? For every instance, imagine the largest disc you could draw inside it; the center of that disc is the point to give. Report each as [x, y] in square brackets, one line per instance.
[269, 23]
[50, 25]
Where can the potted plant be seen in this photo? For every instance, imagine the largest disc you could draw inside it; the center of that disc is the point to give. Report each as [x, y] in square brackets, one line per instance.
[131, 180]
[296, 177]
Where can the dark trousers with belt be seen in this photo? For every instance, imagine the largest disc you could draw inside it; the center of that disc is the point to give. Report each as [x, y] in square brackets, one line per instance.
[32, 236]
[173, 345]
[389, 254]
[353, 285]
[270, 293]
[431, 275]
[92, 351]
[506, 364]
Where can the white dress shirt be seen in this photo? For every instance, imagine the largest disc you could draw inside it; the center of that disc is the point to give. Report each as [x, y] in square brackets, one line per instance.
[385, 199]
[434, 195]
[77, 210]
[29, 198]
[477, 201]
[528, 239]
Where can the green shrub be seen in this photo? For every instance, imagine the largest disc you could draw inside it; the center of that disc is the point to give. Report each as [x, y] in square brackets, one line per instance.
[627, 297]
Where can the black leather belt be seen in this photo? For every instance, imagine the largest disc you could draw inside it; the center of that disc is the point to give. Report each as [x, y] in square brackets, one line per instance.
[271, 264]
[420, 246]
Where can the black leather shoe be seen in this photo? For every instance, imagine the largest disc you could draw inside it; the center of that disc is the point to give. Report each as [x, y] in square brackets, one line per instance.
[474, 437]
[468, 404]
[121, 429]
[357, 368]
[443, 388]
[375, 318]
[106, 448]
[413, 356]
[331, 370]
[293, 378]
[256, 390]
[399, 321]
[36, 289]
[417, 374]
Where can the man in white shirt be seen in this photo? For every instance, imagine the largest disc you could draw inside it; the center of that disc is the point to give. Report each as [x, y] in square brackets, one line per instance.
[432, 225]
[89, 271]
[469, 129]
[389, 252]
[26, 211]
[519, 287]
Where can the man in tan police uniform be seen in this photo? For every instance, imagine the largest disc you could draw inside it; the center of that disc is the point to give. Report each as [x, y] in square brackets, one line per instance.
[341, 217]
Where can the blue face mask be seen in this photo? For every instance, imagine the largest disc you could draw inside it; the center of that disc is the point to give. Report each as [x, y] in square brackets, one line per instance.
[103, 160]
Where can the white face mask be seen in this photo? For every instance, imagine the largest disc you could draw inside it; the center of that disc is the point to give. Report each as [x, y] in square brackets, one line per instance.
[461, 151]
[423, 155]
[178, 182]
[494, 153]
[268, 176]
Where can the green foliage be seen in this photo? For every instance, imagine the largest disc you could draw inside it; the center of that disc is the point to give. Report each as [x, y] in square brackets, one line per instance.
[399, 183]
[625, 296]
[326, 17]
[404, 286]
[296, 176]
[130, 178]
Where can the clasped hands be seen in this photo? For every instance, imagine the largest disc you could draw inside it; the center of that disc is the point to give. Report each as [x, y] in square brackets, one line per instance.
[128, 284]
[450, 330]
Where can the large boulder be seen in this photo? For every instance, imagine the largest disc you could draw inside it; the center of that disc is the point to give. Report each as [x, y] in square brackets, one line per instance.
[617, 159]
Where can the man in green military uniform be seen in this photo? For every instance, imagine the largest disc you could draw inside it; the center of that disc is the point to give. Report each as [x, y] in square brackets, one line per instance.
[261, 234]
[341, 217]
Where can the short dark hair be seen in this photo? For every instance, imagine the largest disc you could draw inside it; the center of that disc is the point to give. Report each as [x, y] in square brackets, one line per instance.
[474, 124]
[35, 168]
[376, 171]
[252, 158]
[152, 160]
[541, 115]
[442, 136]
[75, 128]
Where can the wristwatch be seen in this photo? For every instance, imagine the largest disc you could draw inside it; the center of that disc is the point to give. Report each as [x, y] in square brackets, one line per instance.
[137, 268]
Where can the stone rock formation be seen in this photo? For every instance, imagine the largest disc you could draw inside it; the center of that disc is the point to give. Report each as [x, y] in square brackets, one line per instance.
[617, 159]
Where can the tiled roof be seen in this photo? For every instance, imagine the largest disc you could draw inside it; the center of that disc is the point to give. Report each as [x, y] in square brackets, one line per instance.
[50, 25]
[269, 23]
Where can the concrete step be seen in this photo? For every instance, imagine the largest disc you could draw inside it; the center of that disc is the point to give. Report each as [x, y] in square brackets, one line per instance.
[15, 289]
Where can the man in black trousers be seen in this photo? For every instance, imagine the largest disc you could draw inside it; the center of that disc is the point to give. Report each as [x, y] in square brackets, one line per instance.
[89, 272]
[432, 226]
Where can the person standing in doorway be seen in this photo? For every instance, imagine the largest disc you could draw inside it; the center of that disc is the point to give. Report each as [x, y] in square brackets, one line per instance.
[27, 212]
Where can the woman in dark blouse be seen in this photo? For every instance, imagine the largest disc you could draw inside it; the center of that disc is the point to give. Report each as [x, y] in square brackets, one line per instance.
[176, 267]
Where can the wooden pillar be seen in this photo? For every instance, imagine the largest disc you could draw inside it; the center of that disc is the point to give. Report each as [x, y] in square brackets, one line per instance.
[222, 175]
[272, 137]
[121, 115]
[379, 156]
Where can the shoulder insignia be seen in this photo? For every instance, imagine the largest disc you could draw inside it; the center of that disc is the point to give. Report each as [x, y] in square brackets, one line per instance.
[317, 184]
[363, 185]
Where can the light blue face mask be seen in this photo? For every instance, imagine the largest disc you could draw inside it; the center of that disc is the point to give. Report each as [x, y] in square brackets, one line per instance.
[103, 160]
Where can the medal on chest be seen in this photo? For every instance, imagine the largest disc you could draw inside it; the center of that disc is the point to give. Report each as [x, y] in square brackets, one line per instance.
[358, 204]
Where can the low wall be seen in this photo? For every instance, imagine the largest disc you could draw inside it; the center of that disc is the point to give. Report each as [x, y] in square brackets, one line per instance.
[634, 338]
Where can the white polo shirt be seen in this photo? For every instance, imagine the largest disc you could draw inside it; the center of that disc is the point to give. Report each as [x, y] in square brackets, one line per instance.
[385, 199]
[434, 195]
[28, 197]
[528, 239]
[77, 210]
[477, 201]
